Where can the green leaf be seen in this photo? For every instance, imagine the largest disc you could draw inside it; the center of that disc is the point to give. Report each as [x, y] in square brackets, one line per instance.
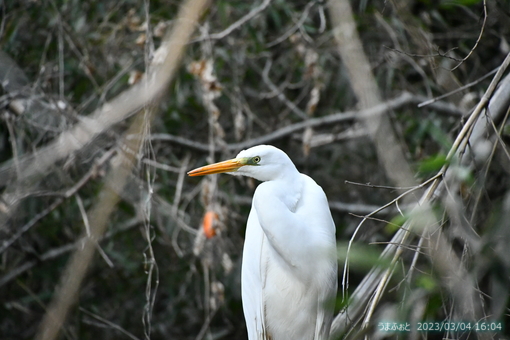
[427, 282]
[432, 164]
[395, 224]
[361, 257]
[448, 4]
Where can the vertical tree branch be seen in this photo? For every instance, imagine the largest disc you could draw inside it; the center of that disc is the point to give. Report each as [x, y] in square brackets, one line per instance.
[389, 149]
[77, 266]
[81, 259]
[391, 155]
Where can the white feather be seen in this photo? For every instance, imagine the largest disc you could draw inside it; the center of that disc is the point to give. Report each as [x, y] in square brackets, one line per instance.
[289, 270]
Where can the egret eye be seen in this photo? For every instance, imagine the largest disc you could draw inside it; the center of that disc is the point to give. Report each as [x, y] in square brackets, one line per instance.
[256, 159]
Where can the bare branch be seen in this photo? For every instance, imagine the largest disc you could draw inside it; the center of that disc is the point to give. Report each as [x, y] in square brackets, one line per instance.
[392, 104]
[253, 13]
[478, 39]
[118, 109]
[78, 264]
[279, 93]
[60, 251]
[462, 88]
[446, 260]
[110, 324]
[294, 28]
[365, 289]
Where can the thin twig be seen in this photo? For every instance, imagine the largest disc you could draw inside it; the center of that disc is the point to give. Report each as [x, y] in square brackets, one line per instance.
[64, 194]
[415, 55]
[443, 257]
[465, 132]
[391, 31]
[180, 182]
[77, 266]
[158, 165]
[116, 110]
[254, 12]
[415, 249]
[357, 208]
[61, 70]
[477, 40]
[369, 283]
[301, 21]
[462, 138]
[462, 88]
[498, 137]
[60, 251]
[345, 276]
[30, 224]
[487, 167]
[84, 216]
[368, 185]
[392, 104]
[279, 93]
[109, 323]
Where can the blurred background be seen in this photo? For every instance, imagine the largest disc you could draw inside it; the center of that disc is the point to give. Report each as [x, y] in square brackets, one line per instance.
[264, 72]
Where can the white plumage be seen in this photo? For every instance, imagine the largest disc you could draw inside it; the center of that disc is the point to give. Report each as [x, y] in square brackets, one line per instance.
[289, 269]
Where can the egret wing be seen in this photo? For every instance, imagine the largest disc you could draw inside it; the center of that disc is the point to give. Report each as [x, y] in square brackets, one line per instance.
[253, 278]
[300, 242]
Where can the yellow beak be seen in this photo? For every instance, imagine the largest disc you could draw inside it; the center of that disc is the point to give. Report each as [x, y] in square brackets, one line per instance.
[217, 168]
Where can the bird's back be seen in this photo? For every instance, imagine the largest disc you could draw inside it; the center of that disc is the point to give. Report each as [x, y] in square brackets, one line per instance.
[288, 278]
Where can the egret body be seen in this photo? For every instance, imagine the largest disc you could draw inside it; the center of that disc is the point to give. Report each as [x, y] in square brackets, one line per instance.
[289, 268]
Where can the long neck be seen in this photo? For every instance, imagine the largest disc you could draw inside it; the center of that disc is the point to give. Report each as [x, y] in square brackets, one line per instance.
[289, 188]
[288, 173]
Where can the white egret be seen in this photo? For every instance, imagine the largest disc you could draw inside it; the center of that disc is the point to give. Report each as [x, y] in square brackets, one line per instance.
[289, 268]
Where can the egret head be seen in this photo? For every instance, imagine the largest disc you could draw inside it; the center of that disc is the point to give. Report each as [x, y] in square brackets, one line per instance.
[262, 162]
